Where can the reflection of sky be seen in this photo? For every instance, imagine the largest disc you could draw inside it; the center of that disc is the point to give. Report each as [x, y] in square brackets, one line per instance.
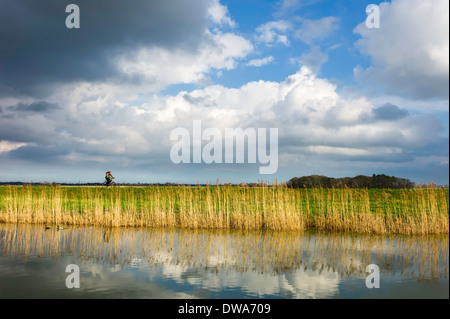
[166, 264]
[293, 284]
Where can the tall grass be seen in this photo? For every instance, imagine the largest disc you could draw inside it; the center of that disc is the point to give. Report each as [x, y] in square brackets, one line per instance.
[405, 211]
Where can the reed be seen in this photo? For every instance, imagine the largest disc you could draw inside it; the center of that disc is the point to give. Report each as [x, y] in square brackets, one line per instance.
[404, 211]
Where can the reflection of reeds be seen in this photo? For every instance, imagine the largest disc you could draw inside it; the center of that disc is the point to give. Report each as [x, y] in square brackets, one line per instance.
[405, 211]
[422, 258]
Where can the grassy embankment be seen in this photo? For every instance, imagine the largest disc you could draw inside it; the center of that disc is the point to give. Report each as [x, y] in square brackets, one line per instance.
[405, 211]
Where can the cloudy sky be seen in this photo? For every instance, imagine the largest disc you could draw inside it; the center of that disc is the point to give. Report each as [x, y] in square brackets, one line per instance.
[346, 99]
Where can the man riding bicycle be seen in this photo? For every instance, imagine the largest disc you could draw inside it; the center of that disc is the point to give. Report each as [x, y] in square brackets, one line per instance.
[109, 177]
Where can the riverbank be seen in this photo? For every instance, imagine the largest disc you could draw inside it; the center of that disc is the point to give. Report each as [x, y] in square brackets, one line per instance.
[403, 211]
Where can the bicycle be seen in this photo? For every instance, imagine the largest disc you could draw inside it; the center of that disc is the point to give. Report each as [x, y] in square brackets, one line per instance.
[108, 183]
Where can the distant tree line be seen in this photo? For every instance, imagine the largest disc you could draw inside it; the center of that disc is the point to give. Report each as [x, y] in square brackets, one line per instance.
[360, 181]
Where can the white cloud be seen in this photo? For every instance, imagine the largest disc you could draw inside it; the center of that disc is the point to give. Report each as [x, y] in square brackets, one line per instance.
[410, 50]
[160, 67]
[312, 117]
[274, 32]
[260, 62]
[288, 7]
[313, 59]
[308, 112]
[6, 146]
[219, 14]
[312, 31]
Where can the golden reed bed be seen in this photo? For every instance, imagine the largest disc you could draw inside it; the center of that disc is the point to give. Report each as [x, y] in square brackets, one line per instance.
[404, 211]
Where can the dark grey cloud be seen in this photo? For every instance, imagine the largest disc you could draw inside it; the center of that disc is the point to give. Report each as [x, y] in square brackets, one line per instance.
[36, 107]
[29, 123]
[37, 48]
[200, 100]
[401, 157]
[38, 153]
[436, 148]
[389, 112]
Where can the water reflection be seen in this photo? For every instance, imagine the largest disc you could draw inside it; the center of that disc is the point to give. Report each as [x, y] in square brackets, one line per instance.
[286, 264]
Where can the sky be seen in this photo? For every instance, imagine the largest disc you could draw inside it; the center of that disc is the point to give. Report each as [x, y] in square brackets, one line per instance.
[345, 98]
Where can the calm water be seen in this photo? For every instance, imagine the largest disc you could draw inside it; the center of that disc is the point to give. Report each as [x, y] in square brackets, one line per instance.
[169, 264]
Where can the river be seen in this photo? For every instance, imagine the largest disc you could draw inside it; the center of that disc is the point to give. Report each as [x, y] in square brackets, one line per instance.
[96, 262]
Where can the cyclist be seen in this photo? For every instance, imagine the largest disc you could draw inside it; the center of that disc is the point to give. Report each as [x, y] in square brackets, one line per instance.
[109, 177]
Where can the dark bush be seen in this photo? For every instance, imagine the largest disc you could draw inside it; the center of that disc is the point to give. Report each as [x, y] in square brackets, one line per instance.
[360, 181]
